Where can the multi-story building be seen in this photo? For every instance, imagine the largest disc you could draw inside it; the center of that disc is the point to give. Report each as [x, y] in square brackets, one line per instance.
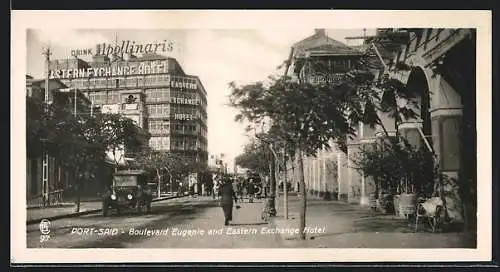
[319, 58]
[216, 163]
[152, 90]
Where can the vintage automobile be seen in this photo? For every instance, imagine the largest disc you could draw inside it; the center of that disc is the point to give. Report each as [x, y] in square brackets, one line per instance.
[129, 190]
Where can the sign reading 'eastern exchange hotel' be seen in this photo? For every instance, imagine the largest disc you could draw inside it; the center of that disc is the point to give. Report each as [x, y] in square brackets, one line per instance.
[142, 69]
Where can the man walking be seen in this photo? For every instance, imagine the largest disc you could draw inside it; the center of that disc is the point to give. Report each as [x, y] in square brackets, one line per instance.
[227, 196]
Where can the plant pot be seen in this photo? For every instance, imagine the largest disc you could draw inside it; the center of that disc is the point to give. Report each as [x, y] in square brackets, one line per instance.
[396, 205]
[343, 197]
[373, 201]
[327, 196]
[407, 204]
[385, 203]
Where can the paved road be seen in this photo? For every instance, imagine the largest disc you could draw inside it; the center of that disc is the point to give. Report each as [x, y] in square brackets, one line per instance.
[198, 223]
[177, 223]
[343, 225]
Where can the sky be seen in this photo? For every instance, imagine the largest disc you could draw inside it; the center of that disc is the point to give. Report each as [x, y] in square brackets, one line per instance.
[217, 57]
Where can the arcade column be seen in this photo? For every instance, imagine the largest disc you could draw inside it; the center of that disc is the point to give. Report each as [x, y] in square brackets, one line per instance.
[446, 118]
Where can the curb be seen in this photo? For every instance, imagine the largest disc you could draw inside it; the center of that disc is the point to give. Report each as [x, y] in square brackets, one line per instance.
[71, 215]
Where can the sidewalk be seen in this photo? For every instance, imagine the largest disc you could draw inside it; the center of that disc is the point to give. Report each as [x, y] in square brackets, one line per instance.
[244, 231]
[334, 224]
[48, 212]
[37, 214]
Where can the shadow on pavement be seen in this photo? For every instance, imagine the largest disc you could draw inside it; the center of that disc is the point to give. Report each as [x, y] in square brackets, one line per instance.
[249, 224]
[157, 210]
[383, 225]
[177, 213]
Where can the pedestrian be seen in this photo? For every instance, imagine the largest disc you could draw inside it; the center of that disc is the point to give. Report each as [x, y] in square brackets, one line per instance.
[251, 190]
[240, 189]
[227, 197]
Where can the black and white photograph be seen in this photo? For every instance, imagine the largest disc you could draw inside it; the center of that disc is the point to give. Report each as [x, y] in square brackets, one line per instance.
[180, 134]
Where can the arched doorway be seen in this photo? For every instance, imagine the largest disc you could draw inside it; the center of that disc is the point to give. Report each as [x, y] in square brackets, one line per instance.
[420, 134]
[417, 84]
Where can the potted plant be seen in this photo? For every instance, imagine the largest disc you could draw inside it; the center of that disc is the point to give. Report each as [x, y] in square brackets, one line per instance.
[400, 171]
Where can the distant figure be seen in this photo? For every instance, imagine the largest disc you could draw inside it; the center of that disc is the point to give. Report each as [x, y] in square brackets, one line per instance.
[227, 196]
[215, 187]
[239, 190]
[250, 190]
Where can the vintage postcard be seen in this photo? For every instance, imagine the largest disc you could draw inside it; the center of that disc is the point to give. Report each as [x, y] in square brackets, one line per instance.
[196, 136]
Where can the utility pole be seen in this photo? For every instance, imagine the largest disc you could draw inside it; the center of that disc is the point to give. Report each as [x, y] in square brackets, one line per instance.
[45, 162]
[285, 185]
[76, 97]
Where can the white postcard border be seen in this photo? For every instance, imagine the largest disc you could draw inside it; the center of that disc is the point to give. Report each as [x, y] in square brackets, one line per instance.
[192, 19]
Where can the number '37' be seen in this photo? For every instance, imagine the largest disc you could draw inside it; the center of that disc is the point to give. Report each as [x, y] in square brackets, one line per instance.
[44, 238]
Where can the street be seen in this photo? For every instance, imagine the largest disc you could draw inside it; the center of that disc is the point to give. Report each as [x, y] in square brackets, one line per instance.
[177, 223]
[198, 223]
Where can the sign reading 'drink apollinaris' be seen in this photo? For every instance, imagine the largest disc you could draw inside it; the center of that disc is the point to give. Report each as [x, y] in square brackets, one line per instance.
[126, 47]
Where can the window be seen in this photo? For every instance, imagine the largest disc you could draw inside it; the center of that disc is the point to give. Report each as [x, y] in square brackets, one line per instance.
[158, 110]
[92, 83]
[131, 82]
[140, 81]
[159, 126]
[156, 80]
[160, 143]
[157, 95]
[164, 79]
[98, 98]
[339, 64]
[101, 83]
[122, 82]
[113, 97]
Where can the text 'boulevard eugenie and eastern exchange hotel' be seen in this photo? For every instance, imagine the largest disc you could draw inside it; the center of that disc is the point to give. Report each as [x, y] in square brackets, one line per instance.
[151, 89]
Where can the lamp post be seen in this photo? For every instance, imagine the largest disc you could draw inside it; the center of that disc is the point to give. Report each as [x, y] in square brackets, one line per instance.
[271, 202]
[45, 159]
[285, 184]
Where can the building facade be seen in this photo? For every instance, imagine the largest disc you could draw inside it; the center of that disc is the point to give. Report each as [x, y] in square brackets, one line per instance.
[441, 68]
[57, 178]
[152, 90]
[318, 59]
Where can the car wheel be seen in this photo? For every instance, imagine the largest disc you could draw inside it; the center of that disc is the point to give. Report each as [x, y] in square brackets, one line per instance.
[104, 210]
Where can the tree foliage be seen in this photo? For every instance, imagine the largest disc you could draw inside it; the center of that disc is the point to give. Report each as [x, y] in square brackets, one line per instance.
[160, 161]
[78, 142]
[254, 157]
[398, 167]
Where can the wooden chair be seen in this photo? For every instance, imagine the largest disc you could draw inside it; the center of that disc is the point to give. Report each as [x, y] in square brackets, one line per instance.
[434, 214]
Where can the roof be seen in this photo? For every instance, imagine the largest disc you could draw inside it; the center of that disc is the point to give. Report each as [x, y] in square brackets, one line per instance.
[362, 47]
[321, 44]
[54, 83]
[151, 56]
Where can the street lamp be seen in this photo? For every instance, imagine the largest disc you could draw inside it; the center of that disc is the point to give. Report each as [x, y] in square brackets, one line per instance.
[271, 202]
[45, 159]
